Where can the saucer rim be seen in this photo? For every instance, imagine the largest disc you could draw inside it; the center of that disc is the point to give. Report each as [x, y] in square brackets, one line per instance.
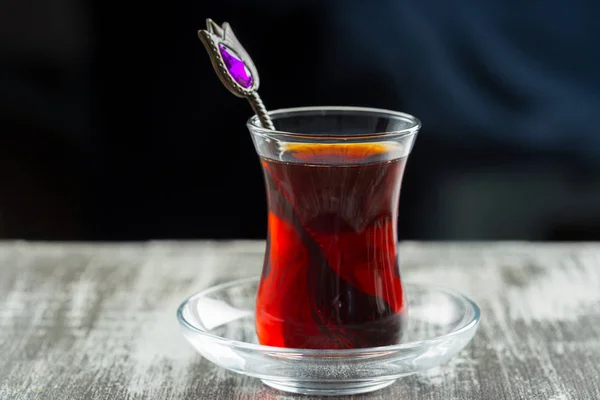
[472, 324]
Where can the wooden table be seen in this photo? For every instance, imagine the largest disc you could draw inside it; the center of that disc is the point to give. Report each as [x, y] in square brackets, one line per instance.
[81, 321]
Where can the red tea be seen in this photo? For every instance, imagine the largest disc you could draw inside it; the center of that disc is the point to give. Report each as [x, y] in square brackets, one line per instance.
[331, 278]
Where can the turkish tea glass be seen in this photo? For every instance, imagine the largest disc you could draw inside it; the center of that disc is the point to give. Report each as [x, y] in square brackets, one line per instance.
[331, 277]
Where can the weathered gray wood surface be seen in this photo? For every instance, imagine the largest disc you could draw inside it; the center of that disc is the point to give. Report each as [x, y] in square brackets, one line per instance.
[98, 321]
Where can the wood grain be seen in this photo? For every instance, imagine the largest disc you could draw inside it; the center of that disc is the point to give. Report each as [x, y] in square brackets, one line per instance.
[81, 321]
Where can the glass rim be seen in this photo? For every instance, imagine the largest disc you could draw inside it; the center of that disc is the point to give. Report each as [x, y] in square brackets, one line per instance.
[414, 124]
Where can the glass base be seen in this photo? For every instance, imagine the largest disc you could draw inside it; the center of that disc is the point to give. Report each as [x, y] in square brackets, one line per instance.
[328, 388]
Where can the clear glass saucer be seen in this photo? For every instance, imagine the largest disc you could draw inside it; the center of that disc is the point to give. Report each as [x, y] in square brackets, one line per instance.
[219, 324]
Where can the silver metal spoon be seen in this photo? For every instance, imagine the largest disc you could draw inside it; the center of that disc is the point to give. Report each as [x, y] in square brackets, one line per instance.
[234, 67]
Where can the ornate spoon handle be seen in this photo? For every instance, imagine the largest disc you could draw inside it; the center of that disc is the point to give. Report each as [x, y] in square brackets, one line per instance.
[234, 67]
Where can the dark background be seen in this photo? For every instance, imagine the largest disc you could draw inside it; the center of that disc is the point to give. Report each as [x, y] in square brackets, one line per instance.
[113, 125]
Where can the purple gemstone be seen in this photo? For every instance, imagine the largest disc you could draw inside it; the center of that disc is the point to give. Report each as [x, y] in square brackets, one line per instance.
[236, 67]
